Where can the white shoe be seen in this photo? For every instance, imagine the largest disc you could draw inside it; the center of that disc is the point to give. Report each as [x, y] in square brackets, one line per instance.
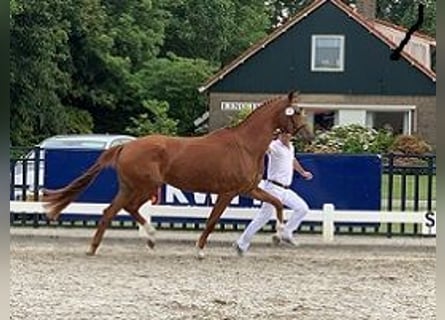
[239, 251]
[290, 242]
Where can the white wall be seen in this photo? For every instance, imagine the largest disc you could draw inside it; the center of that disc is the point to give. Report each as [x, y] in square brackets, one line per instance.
[346, 117]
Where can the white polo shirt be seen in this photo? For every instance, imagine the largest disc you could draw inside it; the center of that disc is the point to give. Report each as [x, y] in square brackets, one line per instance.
[280, 167]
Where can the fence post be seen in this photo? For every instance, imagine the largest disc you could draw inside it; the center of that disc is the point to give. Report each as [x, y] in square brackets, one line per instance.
[430, 183]
[390, 189]
[37, 174]
[328, 222]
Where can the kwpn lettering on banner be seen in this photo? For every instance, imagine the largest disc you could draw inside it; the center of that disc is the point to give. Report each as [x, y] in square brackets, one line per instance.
[429, 223]
[174, 196]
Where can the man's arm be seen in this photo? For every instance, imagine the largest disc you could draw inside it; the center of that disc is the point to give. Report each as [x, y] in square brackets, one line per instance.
[271, 149]
[299, 168]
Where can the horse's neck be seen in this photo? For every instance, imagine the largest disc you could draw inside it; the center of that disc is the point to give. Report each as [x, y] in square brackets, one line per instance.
[256, 132]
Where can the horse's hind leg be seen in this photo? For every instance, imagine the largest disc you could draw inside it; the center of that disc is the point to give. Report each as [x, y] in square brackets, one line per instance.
[262, 195]
[221, 204]
[133, 209]
[109, 213]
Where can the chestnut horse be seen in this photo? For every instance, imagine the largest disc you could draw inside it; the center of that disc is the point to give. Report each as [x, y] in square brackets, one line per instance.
[226, 162]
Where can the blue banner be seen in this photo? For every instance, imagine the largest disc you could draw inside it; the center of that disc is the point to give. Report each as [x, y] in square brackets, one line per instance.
[350, 182]
[64, 165]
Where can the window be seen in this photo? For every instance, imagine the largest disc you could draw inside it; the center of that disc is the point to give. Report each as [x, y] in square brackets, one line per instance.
[324, 120]
[327, 53]
[394, 121]
[401, 119]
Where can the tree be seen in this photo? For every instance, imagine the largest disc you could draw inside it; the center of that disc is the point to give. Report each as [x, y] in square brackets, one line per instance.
[72, 64]
[251, 22]
[405, 13]
[155, 120]
[175, 80]
[400, 12]
[110, 41]
[216, 31]
[39, 51]
[199, 28]
[281, 10]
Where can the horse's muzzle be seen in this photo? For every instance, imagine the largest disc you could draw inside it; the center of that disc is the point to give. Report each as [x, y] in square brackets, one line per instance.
[305, 133]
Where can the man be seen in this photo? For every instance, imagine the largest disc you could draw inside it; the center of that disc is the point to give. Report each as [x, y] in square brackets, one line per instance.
[281, 165]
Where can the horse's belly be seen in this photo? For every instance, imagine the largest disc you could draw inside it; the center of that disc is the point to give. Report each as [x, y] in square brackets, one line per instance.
[207, 181]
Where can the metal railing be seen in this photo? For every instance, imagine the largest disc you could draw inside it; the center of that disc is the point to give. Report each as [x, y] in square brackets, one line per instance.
[410, 186]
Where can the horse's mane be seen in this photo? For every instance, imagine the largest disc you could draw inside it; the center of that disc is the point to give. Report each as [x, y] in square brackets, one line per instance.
[257, 110]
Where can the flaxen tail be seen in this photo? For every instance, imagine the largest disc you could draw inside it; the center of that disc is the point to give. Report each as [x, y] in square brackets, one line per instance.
[57, 200]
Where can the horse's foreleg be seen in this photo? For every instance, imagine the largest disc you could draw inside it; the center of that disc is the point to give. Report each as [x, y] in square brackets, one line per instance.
[108, 215]
[221, 204]
[262, 195]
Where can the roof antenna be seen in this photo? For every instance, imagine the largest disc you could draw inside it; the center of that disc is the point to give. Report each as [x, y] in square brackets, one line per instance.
[395, 54]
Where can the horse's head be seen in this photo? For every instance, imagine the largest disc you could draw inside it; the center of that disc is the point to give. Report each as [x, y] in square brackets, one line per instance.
[292, 119]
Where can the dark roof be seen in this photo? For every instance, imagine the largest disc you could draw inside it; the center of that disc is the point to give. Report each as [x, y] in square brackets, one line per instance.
[297, 18]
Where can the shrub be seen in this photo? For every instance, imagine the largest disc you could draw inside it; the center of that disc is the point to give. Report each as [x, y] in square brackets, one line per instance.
[406, 145]
[239, 116]
[410, 144]
[154, 120]
[351, 138]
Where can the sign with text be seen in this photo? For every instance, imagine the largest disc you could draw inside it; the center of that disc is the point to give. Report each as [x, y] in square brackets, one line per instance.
[236, 106]
[429, 223]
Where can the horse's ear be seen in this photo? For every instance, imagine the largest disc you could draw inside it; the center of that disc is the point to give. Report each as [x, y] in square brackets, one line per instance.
[292, 95]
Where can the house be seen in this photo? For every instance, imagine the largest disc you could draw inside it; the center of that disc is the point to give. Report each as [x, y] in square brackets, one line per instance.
[338, 57]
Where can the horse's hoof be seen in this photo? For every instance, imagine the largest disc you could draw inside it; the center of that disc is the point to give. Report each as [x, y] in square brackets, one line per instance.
[276, 239]
[150, 231]
[151, 243]
[91, 250]
[200, 253]
[51, 217]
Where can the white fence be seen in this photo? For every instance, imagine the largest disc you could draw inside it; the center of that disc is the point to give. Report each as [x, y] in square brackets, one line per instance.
[328, 216]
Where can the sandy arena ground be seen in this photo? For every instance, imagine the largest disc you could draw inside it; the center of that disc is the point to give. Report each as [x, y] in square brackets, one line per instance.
[352, 279]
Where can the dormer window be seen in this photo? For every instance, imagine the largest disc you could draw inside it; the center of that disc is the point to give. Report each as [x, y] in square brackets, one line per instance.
[328, 53]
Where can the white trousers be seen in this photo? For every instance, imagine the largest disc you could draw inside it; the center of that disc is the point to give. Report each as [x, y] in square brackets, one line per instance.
[289, 199]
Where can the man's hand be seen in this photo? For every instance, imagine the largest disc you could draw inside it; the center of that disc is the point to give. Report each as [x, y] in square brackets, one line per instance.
[307, 175]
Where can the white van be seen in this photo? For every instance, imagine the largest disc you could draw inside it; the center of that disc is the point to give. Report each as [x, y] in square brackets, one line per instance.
[24, 189]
